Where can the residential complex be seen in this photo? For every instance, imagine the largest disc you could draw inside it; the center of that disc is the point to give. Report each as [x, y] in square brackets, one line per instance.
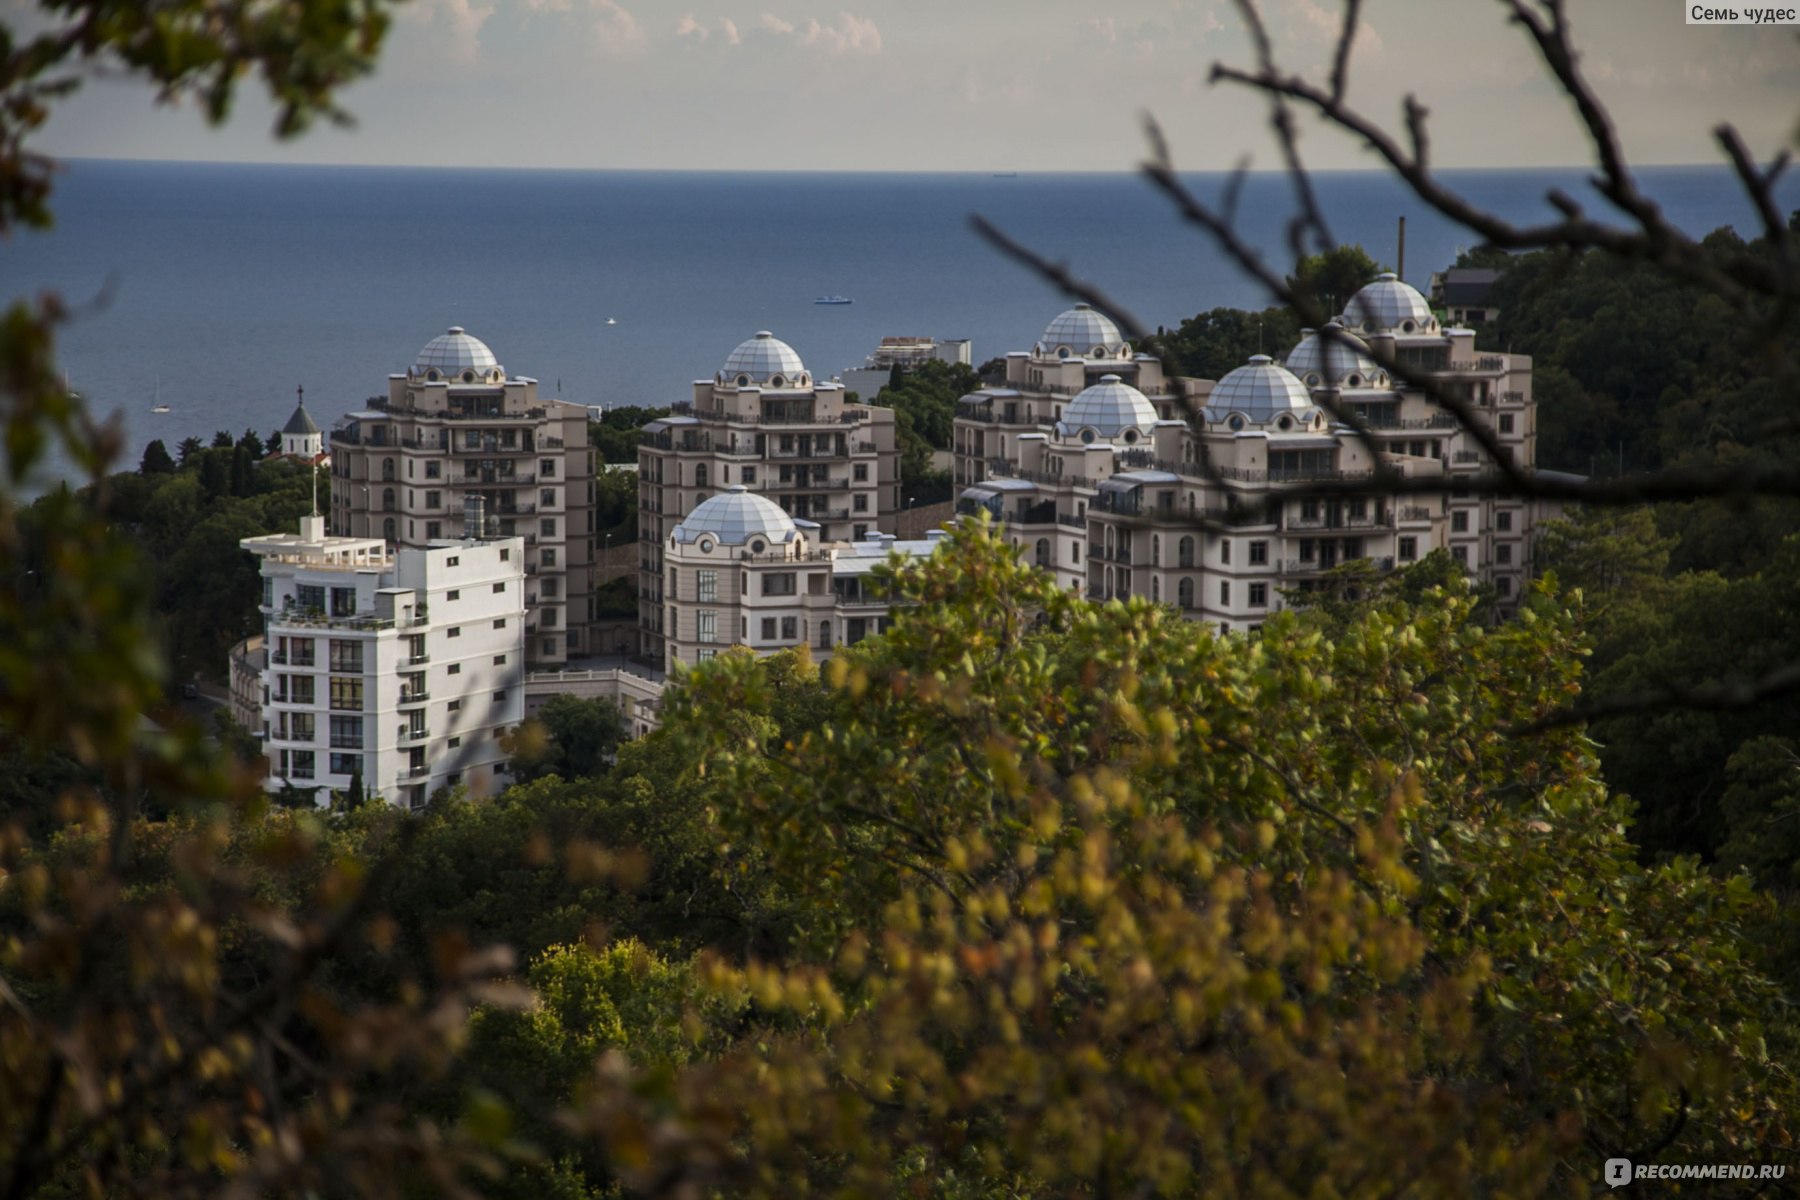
[1088, 454]
[765, 424]
[454, 425]
[741, 571]
[398, 668]
[903, 352]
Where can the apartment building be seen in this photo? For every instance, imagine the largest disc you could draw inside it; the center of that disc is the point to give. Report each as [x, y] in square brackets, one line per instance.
[455, 425]
[401, 668]
[1119, 492]
[739, 571]
[765, 424]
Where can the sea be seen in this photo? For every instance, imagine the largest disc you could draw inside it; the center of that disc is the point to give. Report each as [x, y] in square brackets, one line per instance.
[219, 290]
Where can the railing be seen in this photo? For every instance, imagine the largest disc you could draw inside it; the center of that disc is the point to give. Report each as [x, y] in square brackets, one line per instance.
[1512, 397]
[1071, 520]
[414, 696]
[1295, 566]
[1001, 469]
[318, 620]
[1379, 520]
[408, 774]
[1468, 456]
[418, 660]
[410, 734]
[1414, 513]
[513, 510]
[774, 557]
[1289, 474]
[1440, 421]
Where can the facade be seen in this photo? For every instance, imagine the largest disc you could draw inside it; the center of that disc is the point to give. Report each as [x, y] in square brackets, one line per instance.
[301, 437]
[739, 571]
[403, 668]
[455, 426]
[1117, 495]
[1466, 294]
[764, 424]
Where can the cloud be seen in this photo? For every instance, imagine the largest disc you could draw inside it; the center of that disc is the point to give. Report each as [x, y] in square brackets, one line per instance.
[849, 34]
[616, 31]
[461, 19]
[690, 28]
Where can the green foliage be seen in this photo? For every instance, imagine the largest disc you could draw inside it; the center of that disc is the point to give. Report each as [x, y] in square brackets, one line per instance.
[615, 435]
[1208, 345]
[156, 460]
[924, 403]
[569, 736]
[1330, 278]
[615, 505]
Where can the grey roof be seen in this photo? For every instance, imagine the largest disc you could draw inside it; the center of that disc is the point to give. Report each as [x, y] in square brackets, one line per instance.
[1324, 361]
[1109, 408]
[1389, 305]
[455, 351]
[735, 516]
[1084, 331]
[300, 423]
[1260, 391]
[761, 360]
[1468, 286]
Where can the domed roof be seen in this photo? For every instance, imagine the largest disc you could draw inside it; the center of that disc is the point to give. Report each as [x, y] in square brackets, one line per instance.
[1086, 332]
[454, 352]
[1261, 391]
[1342, 361]
[762, 359]
[301, 423]
[1109, 408]
[735, 516]
[1389, 305]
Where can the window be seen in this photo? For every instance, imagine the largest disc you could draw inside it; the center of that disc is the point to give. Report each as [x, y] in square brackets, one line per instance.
[1459, 521]
[1307, 550]
[453, 594]
[547, 468]
[500, 696]
[302, 764]
[547, 527]
[1259, 595]
[547, 497]
[433, 469]
[347, 733]
[1184, 552]
[455, 742]
[346, 764]
[1309, 510]
[790, 628]
[860, 472]
[346, 656]
[778, 583]
[434, 499]
[1503, 555]
[1409, 548]
[302, 690]
[505, 554]
[456, 560]
[347, 693]
[1155, 550]
[549, 586]
[549, 558]
[1503, 585]
[768, 629]
[1503, 522]
[1075, 553]
[700, 475]
[303, 728]
[859, 503]
[1043, 552]
[1506, 423]
[453, 669]
[549, 620]
[749, 474]
[387, 500]
[343, 602]
[708, 626]
[1460, 554]
[1225, 550]
[549, 646]
[1184, 593]
[455, 706]
[453, 631]
[1259, 554]
[706, 586]
[434, 530]
[309, 596]
[1224, 591]
[500, 622]
[859, 532]
[499, 660]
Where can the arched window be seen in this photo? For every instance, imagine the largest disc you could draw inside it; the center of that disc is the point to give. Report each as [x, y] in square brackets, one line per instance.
[387, 530]
[1156, 550]
[1185, 552]
[1184, 593]
[699, 474]
[1109, 541]
[387, 469]
[1043, 552]
[387, 500]
[1156, 588]
[824, 635]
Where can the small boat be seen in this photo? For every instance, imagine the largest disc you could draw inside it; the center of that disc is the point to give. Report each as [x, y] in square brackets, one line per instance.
[157, 405]
[834, 300]
[611, 321]
[159, 408]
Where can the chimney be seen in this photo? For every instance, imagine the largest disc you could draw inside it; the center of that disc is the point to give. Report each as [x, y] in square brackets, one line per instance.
[1400, 267]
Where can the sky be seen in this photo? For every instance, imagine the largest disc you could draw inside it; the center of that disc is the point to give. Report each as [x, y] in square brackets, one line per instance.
[965, 85]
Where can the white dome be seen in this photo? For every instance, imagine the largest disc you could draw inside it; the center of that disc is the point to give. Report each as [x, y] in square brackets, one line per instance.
[1260, 392]
[1340, 362]
[1109, 408]
[735, 516]
[456, 352]
[762, 360]
[1389, 305]
[1084, 333]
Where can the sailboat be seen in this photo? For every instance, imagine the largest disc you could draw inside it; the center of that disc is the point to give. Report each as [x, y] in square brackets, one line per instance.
[159, 406]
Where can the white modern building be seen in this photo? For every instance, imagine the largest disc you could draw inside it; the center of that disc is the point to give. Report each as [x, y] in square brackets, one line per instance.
[1218, 498]
[905, 353]
[739, 571]
[401, 668]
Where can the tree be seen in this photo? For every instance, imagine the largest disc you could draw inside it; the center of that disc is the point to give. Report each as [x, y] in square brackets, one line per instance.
[189, 447]
[253, 443]
[156, 460]
[243, 471]
[569, 736]
[222, 440]
[1209, 344]
[1325, 281]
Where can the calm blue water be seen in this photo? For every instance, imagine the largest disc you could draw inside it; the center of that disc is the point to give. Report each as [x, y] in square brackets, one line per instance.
[227, 285]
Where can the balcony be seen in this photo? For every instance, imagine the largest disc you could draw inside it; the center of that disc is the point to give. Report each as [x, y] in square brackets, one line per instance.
[313, 618]
[409, 774]
[419, 659]
[410, 734]
[412, 696]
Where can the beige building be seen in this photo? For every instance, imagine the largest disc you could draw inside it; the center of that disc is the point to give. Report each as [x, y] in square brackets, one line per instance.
[739, 571]
[764, 424]
[1110, 492]
[453, 427]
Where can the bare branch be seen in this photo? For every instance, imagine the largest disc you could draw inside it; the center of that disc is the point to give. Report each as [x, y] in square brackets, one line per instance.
[1340, 63]
[1706, 697]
